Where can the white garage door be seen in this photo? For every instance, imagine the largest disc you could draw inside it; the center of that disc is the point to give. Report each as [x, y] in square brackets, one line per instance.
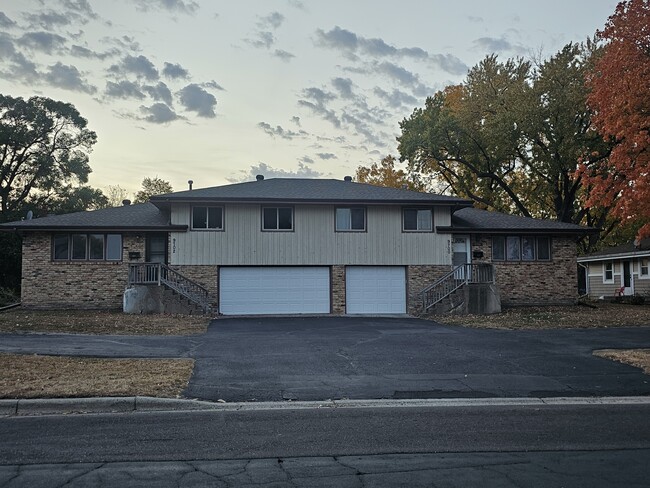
[274, 290]
[375, 289]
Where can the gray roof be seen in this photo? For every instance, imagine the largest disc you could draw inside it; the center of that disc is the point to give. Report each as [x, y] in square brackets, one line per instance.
[143, 216]
[303, 190]
[483, 221]
[629, 249]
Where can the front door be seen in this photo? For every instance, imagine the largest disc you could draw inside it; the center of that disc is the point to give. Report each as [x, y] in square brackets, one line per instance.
[460, 253]
[628, 284]
[156, 248]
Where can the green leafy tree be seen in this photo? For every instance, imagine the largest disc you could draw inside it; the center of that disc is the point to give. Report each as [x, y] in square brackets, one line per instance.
[44, 147]
[511, 136]
[151, 187]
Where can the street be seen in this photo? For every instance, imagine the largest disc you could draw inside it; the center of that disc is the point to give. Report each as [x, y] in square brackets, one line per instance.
[555, 445]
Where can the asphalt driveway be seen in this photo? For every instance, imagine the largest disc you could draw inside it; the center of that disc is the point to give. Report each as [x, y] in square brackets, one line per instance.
[271, 359]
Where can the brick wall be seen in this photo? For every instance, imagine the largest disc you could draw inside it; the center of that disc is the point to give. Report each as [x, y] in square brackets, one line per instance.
[206, 276]
[418, 278]
[535, 282]
[47, 284]
[338, 289]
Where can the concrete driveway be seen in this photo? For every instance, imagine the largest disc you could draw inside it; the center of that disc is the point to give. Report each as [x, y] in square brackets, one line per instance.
[270, 359]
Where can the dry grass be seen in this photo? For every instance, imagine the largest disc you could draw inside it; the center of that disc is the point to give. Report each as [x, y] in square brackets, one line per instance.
[568, 317]
[64, 376]
[639, 358]
[100, 322]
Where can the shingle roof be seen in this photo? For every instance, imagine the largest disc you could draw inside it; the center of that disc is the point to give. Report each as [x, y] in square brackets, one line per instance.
[144, 216]
[627, 248]
[306, 190]
[483, 221]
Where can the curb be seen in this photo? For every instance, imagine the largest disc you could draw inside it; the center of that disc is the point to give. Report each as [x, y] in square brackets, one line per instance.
[66, 406]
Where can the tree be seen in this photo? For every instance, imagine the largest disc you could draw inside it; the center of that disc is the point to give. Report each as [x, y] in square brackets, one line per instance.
[151, 187]
[44, 146]
[511, 135]
[620, 98]
[385, 174]
[115, 195]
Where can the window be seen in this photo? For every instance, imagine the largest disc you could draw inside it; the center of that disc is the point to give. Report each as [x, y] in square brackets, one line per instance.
[643, 267]
[350, 219]
[608, 273]
[277, 218]
[418, 220]
[84, 247]
[207, 218]
[521, 248]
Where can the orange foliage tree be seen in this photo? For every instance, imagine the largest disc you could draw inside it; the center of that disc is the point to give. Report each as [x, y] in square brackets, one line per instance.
[620, 99]
[385, 174]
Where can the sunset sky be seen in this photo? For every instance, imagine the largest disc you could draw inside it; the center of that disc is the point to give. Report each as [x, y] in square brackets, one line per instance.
[220, 91]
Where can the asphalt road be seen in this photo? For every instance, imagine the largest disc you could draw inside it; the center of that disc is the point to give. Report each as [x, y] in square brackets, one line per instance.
[275, 359]
[559, 445]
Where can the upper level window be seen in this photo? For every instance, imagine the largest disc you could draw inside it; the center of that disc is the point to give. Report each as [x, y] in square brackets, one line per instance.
[210, 218]
[350, 219]
[85, 247]
[418, 220]
[277, 218]
[521, 248]
[608, 272]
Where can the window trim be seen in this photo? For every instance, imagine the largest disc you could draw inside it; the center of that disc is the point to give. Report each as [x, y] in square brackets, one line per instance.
[520, 238]
[607, 264]
[646, 275]
[277, 218]
[365, 219]
[86, 259]
[420, 231]
[208, 229]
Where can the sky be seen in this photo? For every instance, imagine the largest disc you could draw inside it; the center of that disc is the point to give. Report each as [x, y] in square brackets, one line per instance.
[220, 91]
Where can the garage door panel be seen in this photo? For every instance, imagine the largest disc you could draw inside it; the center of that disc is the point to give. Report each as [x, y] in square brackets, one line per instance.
[375, 289]
[274, 290]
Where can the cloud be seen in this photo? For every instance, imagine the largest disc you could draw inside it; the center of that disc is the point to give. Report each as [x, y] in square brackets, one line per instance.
[196, 99]
[212, 84]
[296, 120]
[83, 52]
[319, 96]
[67, 77]
[272, 20]
[21, 69]
[403, 76]
[396, 98]
[307, 160]
[303, 171]
[498, 45]
[263, 38]
[321, 111]
[123, 89]
[159, 92]
[344, 87]
[137, 65]
[297, 4]
[283, 55]
[6, 22]
[180, 6]
[175, 71]
[449, 63]
[474, 18]
[48, 20]
[280, 131]
[326, 156]
[43, 41]
[158, 113]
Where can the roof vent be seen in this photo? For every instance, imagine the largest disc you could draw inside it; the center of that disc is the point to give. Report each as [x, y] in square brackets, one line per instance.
[259, 177]
[347, 178]
[126, 203]
[190, 183]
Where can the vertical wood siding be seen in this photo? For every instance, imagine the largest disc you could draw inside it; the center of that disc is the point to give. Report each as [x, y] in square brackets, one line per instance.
[313, 241]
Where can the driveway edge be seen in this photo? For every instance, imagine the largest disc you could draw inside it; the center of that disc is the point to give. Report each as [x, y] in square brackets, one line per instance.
[66, 406]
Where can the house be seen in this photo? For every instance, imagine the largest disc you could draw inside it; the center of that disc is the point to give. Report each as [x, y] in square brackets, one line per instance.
[618, 271]
[280, 246]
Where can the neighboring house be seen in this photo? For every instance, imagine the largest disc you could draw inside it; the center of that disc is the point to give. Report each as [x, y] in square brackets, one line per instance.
[294, 246]
[621, 270]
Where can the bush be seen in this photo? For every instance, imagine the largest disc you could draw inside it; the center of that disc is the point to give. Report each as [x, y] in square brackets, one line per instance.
[7, 297]
[637, 300]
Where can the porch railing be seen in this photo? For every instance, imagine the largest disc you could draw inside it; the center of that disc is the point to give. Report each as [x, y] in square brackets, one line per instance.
[455, 279]
[162, 275]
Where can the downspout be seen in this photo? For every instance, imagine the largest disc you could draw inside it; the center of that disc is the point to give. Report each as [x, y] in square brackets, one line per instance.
[586, 268]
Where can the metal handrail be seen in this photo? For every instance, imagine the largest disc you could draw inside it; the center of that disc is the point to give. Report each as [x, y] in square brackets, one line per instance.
[455, 279]
[160, 274]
